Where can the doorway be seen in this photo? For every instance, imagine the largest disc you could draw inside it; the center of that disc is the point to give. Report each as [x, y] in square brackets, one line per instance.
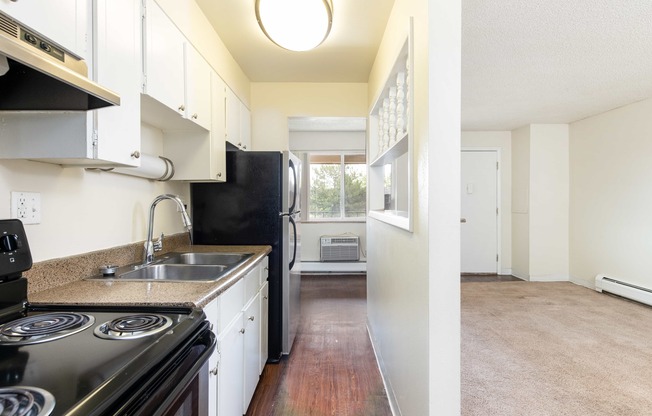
[480, 211]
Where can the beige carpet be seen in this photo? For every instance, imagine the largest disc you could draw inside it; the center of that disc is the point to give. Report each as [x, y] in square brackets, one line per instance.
[553, 349]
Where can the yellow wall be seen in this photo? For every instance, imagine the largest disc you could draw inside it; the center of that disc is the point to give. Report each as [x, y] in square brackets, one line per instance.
[273, 102]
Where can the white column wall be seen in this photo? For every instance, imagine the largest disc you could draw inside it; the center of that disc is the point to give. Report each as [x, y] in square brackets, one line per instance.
[413, 278]
[549, 199]
[521, 202]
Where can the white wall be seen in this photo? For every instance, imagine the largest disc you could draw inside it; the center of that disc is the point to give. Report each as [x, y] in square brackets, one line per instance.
[611, 195]
[501, 140]
[83, 210]
[413, 278]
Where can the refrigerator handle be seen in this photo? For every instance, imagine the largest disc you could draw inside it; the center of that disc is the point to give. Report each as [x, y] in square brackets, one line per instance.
[288, 214]
[294, 253]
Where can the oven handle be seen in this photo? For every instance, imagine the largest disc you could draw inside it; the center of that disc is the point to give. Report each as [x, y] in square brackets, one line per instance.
[182, 375]
[189, 375]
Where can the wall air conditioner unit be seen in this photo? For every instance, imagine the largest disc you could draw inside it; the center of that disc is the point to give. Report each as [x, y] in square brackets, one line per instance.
[624, 289]
[339, 248]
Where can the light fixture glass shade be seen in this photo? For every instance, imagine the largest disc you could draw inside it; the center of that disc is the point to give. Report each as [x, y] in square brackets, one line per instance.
[297, 25]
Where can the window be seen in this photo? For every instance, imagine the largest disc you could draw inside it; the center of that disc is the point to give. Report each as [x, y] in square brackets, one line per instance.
[338, 186]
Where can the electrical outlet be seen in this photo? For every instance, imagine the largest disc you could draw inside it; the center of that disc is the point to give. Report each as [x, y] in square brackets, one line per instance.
[26, 206]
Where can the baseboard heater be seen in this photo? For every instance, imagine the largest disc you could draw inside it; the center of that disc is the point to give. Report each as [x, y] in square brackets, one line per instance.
[337, 248]
[624, 289]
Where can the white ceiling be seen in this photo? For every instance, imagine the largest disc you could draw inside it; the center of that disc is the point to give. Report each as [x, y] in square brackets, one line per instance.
[535, 61]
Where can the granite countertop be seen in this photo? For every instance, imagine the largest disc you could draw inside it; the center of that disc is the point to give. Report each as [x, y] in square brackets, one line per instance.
[184, 294]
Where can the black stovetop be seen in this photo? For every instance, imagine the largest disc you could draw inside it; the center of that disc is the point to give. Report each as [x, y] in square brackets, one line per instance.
[84, 372]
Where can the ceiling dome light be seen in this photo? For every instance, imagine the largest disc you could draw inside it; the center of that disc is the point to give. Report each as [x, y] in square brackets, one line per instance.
[297, 25]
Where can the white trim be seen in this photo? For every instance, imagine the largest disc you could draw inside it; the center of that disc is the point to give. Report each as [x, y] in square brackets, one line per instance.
[333, 267]
[550, 278]
[391, 395]
[581, 282]
[499, 206]
[506, 271]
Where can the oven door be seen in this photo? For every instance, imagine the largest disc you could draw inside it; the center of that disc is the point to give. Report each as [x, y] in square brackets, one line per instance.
[180, 386]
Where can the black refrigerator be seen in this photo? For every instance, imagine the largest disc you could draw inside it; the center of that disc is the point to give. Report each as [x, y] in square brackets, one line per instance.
[259, 204]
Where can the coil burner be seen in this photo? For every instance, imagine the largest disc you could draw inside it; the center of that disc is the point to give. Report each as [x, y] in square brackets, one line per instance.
[43, 328]
[28, 401]
[133, 326]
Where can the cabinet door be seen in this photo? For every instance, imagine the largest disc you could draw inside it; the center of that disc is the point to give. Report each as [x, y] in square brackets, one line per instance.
[198, 91]
[63, 21]
[251, 348]
[264, 325]
[211, 314]
[164, 62]
[230, 378]
[218, 128]
[117, 39]
[232, 118]
[245, 127]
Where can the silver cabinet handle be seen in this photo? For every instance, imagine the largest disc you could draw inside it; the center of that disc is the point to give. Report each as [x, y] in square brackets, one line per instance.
[242, 331]
[214, 371]
[194, 116]
[251, 318]
[135, 154]
[182, 107]
[463, 220]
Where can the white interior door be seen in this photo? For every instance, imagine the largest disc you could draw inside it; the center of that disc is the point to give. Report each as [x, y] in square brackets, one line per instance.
[479, 222]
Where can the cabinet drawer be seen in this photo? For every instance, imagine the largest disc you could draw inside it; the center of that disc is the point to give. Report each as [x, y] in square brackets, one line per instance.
[230, 305]
[252, 284]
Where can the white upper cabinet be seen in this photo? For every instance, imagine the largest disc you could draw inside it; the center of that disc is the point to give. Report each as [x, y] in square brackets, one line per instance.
[175, 74]
[238, 122]
[199, 155]
[164, 59]
[117, 45]
[63, 21]
[198, 92]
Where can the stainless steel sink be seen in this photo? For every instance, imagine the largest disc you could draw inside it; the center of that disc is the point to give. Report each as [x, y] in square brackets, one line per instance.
[175, 272]
[224, 259]
[180, 267]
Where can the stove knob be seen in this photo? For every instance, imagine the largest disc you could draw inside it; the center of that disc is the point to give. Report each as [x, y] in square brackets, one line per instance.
[8, 243]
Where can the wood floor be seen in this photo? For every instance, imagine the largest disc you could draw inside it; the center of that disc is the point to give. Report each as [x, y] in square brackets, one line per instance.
[332, 369]
[485, 277]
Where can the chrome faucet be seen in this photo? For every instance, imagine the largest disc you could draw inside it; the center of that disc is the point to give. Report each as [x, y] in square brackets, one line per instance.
[152, 246]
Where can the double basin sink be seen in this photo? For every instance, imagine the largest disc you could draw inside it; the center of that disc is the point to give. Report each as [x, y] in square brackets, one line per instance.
[181, 267]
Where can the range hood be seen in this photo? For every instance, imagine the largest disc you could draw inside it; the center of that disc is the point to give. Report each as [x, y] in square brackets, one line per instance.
[36, 74]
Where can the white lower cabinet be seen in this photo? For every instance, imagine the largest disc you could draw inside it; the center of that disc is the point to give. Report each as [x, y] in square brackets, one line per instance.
[239, 319]
[230, 375]
[251, 319]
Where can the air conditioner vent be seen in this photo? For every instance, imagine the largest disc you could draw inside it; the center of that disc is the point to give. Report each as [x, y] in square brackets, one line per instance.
[337, 248]
[8, 26]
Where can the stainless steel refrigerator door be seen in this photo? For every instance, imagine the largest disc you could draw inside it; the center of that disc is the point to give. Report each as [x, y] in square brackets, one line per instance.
[292, 256]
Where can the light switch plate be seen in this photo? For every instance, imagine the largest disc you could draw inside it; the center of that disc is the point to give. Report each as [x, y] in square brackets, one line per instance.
[26, 206]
